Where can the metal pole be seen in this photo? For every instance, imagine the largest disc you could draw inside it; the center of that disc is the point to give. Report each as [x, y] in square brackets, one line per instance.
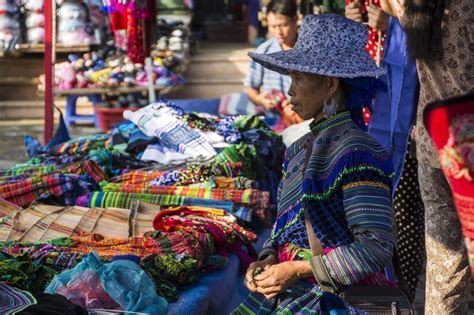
[49, 61]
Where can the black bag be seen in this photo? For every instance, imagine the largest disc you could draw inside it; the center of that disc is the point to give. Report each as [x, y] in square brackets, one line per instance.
[375, 300]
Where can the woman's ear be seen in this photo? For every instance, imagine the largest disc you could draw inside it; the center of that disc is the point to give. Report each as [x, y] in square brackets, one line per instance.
[333, 85]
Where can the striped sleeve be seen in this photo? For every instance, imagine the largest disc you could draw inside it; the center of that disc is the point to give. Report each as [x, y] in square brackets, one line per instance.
[368, 207]
[254, 78]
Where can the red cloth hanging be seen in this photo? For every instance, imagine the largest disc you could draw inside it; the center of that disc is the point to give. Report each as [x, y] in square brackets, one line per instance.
[136, 51]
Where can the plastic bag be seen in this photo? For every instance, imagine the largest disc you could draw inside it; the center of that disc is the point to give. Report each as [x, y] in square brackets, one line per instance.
[124, 281]
[85, 290]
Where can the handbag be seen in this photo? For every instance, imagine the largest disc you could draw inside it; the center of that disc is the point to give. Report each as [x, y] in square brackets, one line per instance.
[374, 300]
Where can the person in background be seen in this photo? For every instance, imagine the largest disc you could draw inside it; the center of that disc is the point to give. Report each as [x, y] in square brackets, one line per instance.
[440, 35]
[282, 26]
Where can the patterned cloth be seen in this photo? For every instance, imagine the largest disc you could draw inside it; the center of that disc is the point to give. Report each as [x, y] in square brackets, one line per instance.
[103, 199]
[346, 191]
[338, 53]
[40, 223]
[447, 268]
[448, 77]
[409, 216]
[156, 120]
[265, 80]
[373, 40]
[64, 189]
[248, 197]
[13, 300]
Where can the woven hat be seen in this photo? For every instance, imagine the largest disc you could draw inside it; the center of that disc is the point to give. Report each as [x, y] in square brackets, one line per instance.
[450, 124]
[328, 45]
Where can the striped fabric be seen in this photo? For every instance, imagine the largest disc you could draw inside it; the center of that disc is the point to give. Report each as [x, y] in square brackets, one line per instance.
[183, 176]
[346, 191]
[247, 197]
[41, 223]
[13, 300]
[103, 199]
[66, 188]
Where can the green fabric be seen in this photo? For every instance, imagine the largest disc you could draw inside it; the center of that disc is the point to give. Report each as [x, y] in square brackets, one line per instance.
[25, 274]
[334, 6]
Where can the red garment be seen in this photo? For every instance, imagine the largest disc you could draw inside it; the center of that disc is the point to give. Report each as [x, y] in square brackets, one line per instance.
[372, 44]
[136, 51]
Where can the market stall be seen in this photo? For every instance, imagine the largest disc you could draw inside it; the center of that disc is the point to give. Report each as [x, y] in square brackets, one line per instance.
[179, 197]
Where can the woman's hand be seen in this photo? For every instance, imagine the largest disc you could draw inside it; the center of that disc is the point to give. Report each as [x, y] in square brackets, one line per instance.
[280, 277]
[353, 11]
[262, 265]
[378, 19]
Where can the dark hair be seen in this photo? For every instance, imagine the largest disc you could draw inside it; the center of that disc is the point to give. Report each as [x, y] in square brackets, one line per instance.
[284, 7]
[421, 21]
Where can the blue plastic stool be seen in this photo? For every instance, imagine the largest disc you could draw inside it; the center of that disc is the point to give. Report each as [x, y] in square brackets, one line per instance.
[72, 117]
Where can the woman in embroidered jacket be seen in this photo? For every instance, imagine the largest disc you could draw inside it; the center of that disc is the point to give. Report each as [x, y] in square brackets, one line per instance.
[343, 189]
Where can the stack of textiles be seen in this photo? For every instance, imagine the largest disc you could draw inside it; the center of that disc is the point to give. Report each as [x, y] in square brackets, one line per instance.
[98, 194]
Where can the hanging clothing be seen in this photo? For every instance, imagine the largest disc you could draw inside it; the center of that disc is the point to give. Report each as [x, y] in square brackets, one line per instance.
[394, 110]
[409, 216]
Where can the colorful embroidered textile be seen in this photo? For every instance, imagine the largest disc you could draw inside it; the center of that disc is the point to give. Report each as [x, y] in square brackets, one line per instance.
[228, 236]
[110, 247]
[248, 197]
[13, 300]
[184, 176]
[64, 189]
[103, 199]
[82, 145]
[221, 182]
[23, 272]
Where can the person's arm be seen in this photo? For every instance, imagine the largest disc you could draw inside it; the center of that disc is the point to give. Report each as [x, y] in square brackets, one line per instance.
[391, 7]
[258, 98]
[368, 207]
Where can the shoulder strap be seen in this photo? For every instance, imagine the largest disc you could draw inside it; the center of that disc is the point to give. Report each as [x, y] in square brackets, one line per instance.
[314, 242]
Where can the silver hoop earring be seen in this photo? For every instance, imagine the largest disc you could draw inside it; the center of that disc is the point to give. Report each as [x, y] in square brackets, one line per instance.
[330, 107]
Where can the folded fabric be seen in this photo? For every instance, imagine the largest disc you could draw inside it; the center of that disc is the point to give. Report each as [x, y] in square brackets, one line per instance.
[228, 236]
[238, 182]
[247, 197]
[64, 188]
[124, 281]
[109, 247]
[156, 121]
[162, 155]
[13, 300]
[82, 145]
[182, 176]
[40, 223]
[104, 199]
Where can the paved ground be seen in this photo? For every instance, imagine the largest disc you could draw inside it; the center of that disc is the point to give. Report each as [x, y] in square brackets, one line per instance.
[12, 149]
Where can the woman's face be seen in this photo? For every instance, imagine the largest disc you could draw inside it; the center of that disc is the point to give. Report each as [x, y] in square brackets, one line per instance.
[308, 92]
[283, 28]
